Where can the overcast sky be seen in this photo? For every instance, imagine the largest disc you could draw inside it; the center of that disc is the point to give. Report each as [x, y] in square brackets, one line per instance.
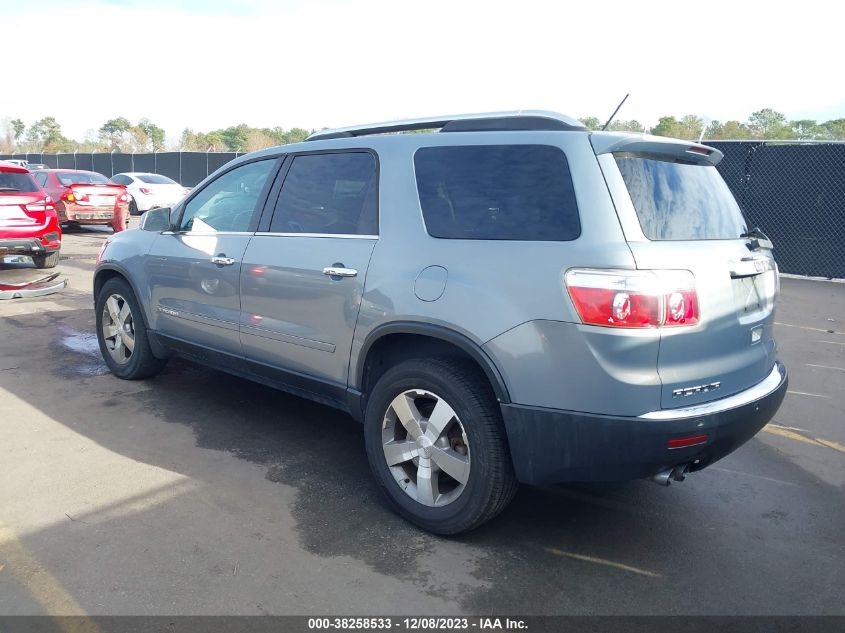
[207, 64]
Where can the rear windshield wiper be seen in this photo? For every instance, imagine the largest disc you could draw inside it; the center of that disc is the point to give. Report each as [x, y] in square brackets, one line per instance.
[9, 189]
[758, 239]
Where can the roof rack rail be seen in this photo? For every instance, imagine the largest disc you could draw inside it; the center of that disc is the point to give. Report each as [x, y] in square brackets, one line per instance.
[484, 122]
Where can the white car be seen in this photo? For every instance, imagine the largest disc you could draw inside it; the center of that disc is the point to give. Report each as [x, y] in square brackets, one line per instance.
[149, 191]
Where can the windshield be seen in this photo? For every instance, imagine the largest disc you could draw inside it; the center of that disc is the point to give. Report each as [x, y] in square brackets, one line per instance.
[155, 179]
[680, 201]
[81, 178]
[17, 182]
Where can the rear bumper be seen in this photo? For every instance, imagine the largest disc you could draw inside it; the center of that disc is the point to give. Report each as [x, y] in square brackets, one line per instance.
[549, 445]
[26, 246]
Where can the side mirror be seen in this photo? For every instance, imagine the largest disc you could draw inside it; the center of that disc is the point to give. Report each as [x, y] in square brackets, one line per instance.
[156, 220]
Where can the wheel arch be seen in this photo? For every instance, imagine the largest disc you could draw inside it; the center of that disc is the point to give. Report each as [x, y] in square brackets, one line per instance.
[384, 342]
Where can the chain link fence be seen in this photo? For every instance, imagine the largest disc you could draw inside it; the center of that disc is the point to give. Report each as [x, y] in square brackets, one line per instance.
[794, 191]
[186, 168]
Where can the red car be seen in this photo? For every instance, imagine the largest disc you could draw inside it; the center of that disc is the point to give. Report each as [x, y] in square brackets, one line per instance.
[28, 221]
[85, 197]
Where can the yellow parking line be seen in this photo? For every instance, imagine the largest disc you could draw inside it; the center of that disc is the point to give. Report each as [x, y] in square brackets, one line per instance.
[825, 367]
[785, 431]
[811, 329]
[43, 586]
[602, 561]
[804, 393]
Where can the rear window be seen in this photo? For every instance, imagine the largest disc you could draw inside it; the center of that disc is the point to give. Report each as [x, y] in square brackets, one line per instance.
[155, 179]
[17, 182]
[68, 178]
[680, 201]
[497, 192]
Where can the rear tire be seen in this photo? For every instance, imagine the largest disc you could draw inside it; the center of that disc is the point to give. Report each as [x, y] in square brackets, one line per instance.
[122, 334]
[133, 208]
[47, 260]
[470, 442]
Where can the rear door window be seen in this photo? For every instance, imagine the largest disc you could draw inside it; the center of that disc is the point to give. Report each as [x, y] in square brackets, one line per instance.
[497, 192]
[156, 179]
[680, 201]
[329, 194]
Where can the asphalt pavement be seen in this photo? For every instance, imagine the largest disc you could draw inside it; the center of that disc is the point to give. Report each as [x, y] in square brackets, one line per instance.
[201, 493]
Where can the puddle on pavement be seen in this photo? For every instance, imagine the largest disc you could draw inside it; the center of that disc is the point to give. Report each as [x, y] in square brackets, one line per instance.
[84, 343]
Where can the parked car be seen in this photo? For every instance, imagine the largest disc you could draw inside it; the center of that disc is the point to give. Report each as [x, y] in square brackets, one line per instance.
[28, 222]
[150, 191]
[86, 197]
[17, 161]
[511, 299]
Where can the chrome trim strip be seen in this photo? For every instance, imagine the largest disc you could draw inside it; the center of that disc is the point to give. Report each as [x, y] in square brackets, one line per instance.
[345, 236]
[760, 390]
[286, 338]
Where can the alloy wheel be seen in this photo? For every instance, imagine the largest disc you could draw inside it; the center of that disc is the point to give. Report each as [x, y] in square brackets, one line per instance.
[426, 448]
[118, 329]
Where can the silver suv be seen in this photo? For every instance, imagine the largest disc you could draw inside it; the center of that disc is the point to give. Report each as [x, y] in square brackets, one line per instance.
[509, 299]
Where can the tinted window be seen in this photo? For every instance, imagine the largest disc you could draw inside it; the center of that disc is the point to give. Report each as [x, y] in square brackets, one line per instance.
[329, 193]
[17, 182]
[680, 201]
[41, 178]
[121, 180]
[228, 202]
[497, 192]
[155, 179]
[68, 178]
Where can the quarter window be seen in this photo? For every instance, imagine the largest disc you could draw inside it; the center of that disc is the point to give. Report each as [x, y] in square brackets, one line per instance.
[497, 192]
[329, 194]
[229, 202]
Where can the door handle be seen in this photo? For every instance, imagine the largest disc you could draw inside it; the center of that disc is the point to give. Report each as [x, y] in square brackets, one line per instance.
[222, 260]
[333, 271]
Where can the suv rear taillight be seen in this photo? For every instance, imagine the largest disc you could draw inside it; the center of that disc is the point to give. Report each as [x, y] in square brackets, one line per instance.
[634, 298]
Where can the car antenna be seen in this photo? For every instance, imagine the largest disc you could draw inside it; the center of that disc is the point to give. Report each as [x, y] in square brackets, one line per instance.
[604, 127]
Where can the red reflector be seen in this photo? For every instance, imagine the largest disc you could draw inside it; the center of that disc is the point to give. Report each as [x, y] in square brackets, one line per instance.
[683, 442]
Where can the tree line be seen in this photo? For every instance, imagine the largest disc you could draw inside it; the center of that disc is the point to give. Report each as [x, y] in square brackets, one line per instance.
[120, 134]
[765, 124]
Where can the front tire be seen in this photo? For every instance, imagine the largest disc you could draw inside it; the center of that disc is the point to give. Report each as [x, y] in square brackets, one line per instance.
[437, 446]
[122, 334]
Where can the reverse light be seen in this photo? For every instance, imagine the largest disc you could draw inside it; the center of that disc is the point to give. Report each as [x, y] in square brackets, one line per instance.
[634, 298]
[124, 198]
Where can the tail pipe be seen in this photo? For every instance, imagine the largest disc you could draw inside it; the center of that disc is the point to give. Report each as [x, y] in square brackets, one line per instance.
[665, 477]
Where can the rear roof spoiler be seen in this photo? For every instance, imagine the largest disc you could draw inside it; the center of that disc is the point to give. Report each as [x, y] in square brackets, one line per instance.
[612, 142]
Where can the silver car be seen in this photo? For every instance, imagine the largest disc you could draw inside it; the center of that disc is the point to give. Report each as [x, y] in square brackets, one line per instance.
[509, 299]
